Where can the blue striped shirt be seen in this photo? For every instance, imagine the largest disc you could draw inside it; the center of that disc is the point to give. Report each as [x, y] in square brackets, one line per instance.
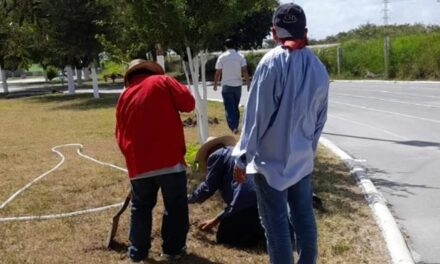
[237, 196]
[284, 117]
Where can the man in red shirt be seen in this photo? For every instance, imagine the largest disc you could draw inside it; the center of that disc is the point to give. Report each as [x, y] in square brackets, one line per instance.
[150, 135]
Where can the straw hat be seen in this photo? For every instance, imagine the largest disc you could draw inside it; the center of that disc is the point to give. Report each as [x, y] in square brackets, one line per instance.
[142, 64]
[207, 148]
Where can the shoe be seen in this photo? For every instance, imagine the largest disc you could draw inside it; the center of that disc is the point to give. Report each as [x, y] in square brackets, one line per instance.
[176, 256]
[235, 131]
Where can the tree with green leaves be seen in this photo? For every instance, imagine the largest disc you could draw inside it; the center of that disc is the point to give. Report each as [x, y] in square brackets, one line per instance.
[68, 31]
[191, 27]
[15, 37]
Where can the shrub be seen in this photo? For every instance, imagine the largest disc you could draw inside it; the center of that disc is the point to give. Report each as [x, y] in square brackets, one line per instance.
[328, 58]
[173, 65]
[51, 72]
[411, 57]
[252, 60]
[110, 67]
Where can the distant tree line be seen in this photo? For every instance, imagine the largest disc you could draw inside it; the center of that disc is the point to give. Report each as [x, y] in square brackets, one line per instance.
[59, 33]
[76, 32]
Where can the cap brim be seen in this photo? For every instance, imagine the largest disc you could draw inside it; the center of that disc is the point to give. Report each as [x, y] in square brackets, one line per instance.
[282, 33]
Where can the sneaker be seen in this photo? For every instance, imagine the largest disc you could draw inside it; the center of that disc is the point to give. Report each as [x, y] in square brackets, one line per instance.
[235, 131]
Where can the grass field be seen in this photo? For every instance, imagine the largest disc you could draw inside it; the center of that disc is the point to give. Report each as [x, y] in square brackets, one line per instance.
[30, 127]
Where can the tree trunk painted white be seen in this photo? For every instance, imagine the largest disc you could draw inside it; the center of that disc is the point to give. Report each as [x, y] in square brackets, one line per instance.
[203, 60]
[70, 82]
[187, 71]
[95, 81]
[201, 104]
[79, 77]
[160, 59]
[4, 81]
[86, 73]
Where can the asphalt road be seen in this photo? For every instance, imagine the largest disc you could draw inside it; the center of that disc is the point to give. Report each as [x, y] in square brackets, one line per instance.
[393, 130]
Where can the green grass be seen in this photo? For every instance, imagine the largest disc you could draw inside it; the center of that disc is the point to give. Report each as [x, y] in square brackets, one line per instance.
[411, 57]
[36, 68]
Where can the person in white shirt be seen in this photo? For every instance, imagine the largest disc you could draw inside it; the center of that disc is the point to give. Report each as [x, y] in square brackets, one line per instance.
[230, 67]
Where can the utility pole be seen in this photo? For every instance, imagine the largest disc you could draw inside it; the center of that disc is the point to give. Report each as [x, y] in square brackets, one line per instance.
[386, 41]
[385, 11]
[386, 56]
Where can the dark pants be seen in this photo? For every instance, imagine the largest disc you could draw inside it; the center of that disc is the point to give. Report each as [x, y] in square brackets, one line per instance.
[231, 99]
[242, 229]
[175, 221]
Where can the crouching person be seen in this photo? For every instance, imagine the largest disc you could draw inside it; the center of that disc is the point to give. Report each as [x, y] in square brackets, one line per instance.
[239, 222]
[150, 135]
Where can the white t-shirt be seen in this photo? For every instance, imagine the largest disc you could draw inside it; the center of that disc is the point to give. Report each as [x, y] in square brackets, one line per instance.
[231, 62]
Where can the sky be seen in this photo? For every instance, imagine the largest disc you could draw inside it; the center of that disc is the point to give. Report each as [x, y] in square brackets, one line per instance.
[329, 17]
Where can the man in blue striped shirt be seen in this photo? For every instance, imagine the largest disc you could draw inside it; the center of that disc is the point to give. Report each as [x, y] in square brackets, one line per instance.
[239, 223]
[283, 120]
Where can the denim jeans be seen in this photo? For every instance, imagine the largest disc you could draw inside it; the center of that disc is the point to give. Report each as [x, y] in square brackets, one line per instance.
[272, 206]
[231, 99]
[175, 222]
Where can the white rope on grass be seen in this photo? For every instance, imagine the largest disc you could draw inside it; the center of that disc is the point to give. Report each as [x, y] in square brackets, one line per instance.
[60, 215]
[55, 216]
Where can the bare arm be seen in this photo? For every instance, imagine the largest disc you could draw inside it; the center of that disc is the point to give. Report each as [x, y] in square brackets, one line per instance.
[209, 224]
[217, 76]
[245, 74]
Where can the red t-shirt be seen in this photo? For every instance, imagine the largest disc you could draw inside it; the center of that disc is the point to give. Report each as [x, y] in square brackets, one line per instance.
[149, 131]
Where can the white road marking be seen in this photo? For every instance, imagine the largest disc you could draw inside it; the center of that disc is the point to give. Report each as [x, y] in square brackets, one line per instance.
[389, 112]
[411, 94]
[386, 100]
[369, 126]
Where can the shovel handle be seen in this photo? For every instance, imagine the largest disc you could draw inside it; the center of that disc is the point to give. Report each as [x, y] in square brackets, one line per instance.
[115, 221]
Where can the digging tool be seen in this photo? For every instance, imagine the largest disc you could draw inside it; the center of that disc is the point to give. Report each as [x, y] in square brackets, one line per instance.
[115, 221]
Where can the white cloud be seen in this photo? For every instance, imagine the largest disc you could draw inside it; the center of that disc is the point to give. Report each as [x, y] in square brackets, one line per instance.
[329, 17]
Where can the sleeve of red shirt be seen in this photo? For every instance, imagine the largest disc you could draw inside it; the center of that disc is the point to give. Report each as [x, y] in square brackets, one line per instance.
[117, 132]
[182, 97]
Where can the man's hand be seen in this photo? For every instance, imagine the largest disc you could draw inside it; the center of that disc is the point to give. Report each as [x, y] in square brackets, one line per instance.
[209, 224]
[239, 174]
[217, 76]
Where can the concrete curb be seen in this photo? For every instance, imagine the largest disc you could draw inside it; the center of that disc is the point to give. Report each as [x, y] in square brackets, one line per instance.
[396, 245]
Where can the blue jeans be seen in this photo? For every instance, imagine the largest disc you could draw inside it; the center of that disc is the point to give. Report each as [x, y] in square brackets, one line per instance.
[272, 206]
[175, 222]
[231, 99]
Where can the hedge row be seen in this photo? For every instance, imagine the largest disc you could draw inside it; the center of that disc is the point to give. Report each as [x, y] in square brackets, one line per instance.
[410, 57]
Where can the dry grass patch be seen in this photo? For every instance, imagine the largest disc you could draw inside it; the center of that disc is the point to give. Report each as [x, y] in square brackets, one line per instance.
[30, 127]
